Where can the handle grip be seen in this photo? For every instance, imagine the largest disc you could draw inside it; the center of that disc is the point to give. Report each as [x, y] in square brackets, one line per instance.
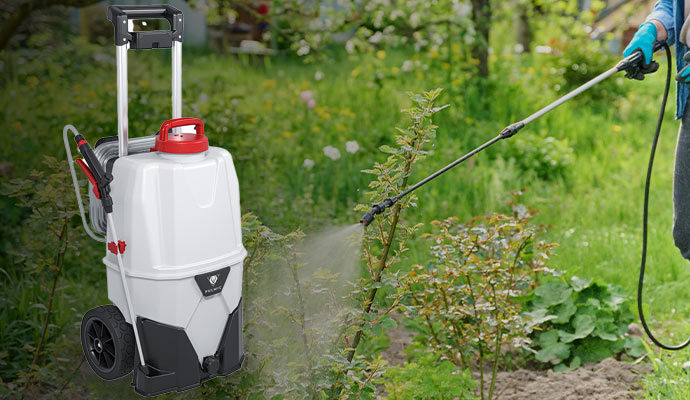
[181, 143]
[180, 122]
[99, 178]
[120, 16]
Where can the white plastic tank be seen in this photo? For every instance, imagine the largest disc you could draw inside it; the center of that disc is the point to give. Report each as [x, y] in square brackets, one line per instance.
[177, 216]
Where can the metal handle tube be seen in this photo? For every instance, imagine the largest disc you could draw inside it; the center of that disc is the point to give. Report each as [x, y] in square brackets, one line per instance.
[122, 121]
[176, 80]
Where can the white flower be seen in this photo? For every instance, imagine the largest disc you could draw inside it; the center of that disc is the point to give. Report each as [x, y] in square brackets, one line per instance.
[351, 147]
[543, 49]
[308, 164]
[407, 66]
[318, 75]
[415, 19]
[395, 14]
[376, 38]
[306, 96]
[350, 46]
[519, 48]
[462, 9]
[331, 152]
[303, 49]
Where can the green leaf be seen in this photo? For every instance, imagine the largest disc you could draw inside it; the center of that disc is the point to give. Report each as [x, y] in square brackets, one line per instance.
[548, 338]
[583, 324]
[538, 317]
[552, 351]
[564, 311]
[634, 347]
[561, 368]
[388, 149]
[594, 350]
[552, 293]
[579, 283]
[606, 329]
[616, 297]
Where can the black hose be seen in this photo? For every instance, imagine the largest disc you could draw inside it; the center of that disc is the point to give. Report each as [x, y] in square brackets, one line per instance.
[645, 213]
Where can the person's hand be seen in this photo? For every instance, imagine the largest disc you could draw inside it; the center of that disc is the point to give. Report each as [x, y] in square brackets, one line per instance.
[643, 41]
[683, 75]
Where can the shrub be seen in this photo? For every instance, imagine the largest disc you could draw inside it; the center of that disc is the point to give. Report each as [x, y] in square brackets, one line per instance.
[546, 156]
[384, 243]
[468, 297]
[429, 378]
[577, 321]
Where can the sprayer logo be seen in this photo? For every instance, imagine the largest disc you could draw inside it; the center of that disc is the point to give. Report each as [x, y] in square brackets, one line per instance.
[212, 282]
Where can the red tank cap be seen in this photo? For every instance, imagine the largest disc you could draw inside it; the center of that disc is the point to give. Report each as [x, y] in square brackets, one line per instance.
[181, 143]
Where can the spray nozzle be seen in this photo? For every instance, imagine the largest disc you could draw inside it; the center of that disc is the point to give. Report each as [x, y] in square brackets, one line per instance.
[378, 208]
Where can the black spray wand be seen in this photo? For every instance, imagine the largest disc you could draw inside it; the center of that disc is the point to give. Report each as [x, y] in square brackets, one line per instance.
[634, 67]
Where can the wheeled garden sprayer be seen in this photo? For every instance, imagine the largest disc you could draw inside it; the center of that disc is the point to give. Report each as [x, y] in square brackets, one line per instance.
[634, 68]
[167, 206]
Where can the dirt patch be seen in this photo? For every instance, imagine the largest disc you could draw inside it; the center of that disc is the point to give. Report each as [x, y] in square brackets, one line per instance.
[607, 380]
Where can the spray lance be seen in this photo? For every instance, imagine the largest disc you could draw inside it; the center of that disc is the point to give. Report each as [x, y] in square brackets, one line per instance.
[634, 68]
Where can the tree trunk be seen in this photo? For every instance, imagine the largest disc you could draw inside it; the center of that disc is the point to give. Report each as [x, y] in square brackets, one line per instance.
[524, 33]
[481, 17]
[12, 23]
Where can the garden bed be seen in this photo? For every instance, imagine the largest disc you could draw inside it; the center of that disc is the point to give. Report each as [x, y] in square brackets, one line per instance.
[608, 379]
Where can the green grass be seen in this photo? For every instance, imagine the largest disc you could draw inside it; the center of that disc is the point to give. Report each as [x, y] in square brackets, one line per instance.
[253, 109]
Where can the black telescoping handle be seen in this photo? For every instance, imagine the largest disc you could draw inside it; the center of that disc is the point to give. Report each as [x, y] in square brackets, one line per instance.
[120, 16]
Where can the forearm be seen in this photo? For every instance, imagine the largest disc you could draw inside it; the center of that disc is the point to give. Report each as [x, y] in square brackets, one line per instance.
[661, 33]
[663, 20]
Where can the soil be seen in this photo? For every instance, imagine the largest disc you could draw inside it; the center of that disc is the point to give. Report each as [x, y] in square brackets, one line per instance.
[607, 380]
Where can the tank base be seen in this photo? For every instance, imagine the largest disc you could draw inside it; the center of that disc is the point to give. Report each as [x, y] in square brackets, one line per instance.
[172, 363]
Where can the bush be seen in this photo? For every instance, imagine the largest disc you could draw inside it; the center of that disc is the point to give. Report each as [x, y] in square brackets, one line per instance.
[577, 321]
[546, 156]
[429, 378]
[469, 297]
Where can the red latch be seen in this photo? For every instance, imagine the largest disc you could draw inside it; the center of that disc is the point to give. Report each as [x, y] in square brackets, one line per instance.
[120, 246]
[89, 175]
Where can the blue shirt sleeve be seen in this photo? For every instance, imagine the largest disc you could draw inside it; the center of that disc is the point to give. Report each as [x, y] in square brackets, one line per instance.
[663, 12]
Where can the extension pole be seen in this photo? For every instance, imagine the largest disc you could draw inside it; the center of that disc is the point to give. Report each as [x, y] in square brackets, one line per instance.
[509, 131]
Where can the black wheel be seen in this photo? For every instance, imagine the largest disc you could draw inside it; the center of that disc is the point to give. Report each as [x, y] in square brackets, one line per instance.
[108, 342]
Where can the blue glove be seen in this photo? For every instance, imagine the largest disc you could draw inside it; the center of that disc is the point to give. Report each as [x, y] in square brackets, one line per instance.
[643, 40]
[683, 75]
